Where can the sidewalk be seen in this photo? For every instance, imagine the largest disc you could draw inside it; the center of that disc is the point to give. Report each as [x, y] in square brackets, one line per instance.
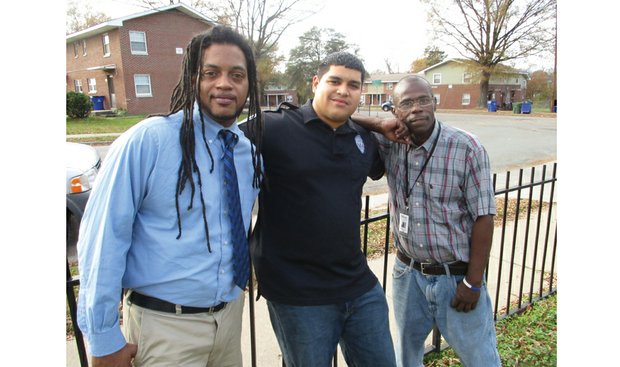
[267, 350]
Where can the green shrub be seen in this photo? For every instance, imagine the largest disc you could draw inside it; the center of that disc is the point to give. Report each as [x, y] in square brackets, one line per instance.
[79, 105]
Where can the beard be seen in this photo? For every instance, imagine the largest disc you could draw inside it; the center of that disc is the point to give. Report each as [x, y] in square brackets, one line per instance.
[223, 119]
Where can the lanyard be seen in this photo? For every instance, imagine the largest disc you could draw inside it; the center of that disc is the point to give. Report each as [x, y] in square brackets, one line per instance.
[408, 190]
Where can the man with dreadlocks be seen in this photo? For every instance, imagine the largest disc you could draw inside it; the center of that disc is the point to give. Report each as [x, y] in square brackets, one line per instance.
[156, 223]
[320, 291]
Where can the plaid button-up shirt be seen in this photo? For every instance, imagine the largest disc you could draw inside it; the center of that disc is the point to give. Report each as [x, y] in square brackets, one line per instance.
[452, 191]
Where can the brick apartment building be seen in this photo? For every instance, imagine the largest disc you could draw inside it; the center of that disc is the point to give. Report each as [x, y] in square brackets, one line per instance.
[378, 88]
[133, 63]
[454, 86]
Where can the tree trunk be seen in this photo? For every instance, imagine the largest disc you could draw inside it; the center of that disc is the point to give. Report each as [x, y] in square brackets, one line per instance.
[484, 89]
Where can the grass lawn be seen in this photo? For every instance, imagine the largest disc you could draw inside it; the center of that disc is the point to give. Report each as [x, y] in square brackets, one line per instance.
[103, 125]
[99, 125]
[525, 340]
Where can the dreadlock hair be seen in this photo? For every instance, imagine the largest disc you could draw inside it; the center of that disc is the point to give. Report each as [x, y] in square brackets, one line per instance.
[341, 58]
[184, 96]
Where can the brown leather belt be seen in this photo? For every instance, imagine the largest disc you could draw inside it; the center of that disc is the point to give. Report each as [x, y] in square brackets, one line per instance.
[157, 304]
[456, 268]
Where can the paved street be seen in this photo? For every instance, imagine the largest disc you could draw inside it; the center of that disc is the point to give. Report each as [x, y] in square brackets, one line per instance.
[512, 141]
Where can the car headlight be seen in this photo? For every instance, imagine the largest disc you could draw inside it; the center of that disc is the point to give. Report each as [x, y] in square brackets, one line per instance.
[84, 181]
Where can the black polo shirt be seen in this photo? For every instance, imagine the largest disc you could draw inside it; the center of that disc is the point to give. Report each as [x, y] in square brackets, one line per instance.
[307, 249]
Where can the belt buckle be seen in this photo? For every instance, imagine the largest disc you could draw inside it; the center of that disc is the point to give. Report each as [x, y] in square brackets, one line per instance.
[422, 266]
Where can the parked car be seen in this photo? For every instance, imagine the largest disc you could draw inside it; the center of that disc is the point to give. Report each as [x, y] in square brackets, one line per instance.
[83, 163]
[387, 105]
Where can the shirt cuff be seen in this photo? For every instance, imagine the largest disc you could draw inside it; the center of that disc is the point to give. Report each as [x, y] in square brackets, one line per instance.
[106, 343]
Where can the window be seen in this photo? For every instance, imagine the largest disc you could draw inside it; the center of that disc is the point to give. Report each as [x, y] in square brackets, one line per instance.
[106, 45]
[78, 85]
[75, 49]
[437, 98]
[466, 78]
[143, 85]
[92, 85]
[137, 40]
[83, 47]
[437, 78]
[466, 99]
[390, 86]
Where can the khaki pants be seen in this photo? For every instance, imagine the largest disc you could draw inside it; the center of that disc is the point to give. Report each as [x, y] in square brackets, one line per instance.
[185, 340]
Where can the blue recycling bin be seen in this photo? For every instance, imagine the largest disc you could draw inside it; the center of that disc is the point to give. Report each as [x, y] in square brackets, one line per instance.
[97, 102]
[492, 106]
[526, 107]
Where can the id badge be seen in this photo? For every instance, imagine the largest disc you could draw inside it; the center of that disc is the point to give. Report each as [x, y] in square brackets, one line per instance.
[403, 223]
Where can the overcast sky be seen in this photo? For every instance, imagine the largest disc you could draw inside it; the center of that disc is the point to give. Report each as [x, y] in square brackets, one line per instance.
[389, 29]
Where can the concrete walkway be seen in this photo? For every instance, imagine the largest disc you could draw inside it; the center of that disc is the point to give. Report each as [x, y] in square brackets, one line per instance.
[267, 349]
[268, 352]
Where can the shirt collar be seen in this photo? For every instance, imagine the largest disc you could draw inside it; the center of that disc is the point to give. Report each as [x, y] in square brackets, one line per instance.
[428, 144]
[309, 115]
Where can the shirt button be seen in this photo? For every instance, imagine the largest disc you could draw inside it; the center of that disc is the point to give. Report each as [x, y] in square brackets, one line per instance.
[418, 184]
[421, 245]
[417, 204]
[417, 163]
[418, 224]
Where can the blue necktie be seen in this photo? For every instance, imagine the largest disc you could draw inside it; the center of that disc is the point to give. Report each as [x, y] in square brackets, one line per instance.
[241, 255]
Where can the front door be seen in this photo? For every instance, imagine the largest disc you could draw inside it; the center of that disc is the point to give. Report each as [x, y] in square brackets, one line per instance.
[110, 80]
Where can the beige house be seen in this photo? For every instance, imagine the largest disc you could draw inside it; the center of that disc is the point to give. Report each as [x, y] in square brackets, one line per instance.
[456, 86]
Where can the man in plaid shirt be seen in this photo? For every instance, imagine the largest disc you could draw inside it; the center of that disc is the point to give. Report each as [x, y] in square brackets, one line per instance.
[441, 208]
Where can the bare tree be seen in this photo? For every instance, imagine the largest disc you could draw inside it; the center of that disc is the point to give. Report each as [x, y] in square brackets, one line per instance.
[388, 65]
[490, 32]
[82, 16]
[263, 22]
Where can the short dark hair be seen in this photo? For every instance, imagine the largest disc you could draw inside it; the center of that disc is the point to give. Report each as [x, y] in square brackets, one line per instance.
[341, 58]
[411, 79]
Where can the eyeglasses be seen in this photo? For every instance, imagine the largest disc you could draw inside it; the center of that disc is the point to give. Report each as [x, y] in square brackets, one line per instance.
[424, 101]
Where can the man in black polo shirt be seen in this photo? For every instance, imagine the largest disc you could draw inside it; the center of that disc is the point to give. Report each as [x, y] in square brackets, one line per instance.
[310, 268]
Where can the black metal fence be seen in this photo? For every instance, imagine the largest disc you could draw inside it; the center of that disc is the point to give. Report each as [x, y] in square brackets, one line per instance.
[521, 269]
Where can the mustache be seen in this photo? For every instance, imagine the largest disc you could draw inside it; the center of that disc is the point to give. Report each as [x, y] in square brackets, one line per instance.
[411, 118]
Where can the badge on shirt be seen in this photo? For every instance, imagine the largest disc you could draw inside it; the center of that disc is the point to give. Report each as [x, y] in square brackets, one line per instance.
[360, 143]
[403, 223]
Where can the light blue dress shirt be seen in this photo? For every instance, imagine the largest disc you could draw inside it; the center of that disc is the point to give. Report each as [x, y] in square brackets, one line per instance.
[129, 229]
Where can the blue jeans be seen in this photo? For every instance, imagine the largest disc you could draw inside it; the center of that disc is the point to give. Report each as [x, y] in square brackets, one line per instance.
[308, 335]
[422, 301]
